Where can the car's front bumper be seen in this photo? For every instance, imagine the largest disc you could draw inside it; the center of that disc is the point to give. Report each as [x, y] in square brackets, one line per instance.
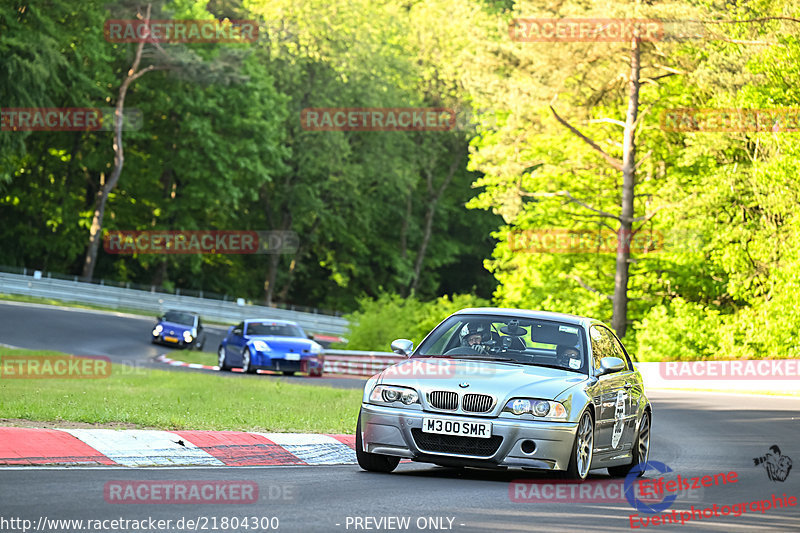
[277, 362]
[398, 432]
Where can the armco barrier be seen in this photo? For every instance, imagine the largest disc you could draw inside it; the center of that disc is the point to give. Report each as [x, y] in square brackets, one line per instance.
[158, 303]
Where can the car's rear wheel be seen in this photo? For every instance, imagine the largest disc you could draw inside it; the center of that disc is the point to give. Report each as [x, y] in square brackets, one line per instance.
[288, 373]
[580, 460]
[372, 462]
[247, 363]
[641, 449]
[221, 359]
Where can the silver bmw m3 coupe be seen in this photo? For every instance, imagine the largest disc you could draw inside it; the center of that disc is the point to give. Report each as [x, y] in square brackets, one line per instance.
[499, 388]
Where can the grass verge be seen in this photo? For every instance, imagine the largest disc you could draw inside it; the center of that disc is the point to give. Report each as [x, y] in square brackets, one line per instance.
[180, 400]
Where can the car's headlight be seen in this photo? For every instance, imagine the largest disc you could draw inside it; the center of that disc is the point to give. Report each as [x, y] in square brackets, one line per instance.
[316, 348]
[157, 330]
[187, 336]
[538, 408]
[261, 346]
[388, 394]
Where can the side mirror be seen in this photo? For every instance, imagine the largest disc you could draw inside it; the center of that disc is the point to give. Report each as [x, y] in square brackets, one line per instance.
[311, 336]
[609, 365]
[403, 347]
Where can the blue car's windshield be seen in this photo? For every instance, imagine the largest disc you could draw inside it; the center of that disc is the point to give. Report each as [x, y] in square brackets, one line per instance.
[273, 329]
[178, 317]
[520, 340]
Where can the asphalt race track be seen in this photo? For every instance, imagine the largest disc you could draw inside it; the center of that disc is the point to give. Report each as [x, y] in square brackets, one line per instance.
[121, 337]
[695, 434]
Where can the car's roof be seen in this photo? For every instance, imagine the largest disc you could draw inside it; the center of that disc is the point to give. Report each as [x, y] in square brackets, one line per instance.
[527, 313]
[273, 321]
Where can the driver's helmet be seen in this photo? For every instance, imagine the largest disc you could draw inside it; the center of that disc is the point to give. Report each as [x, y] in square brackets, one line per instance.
[569, 357]
[474, 333]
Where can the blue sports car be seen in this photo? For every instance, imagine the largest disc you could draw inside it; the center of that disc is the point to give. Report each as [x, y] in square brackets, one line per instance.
[179, 328]
[277, 345]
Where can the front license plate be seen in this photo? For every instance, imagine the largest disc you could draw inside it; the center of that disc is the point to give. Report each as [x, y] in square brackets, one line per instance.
[481, 430]
[171, 339]
[292, 356]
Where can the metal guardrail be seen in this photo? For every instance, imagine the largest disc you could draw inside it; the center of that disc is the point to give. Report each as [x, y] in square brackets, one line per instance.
[158, 303]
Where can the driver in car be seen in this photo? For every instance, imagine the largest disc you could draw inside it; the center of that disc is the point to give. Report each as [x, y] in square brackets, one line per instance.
[569, 357]
[474, 335]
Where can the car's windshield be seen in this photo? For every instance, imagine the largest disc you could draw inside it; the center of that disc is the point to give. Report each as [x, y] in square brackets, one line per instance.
[511, 339]
[178, 317]
[273, 329]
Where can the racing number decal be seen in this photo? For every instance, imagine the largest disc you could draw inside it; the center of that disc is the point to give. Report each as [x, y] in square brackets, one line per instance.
[619, 418]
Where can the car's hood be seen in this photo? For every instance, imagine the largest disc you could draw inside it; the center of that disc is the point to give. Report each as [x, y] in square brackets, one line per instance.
[485, 377]
[279, 343]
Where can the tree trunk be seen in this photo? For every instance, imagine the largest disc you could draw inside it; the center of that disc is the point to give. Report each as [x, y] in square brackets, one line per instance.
[619, 320]
[96, 229]
[433, 201]
[269, 283]
[423, 247]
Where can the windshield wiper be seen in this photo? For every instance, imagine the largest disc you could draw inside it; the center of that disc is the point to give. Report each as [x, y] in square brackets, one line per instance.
[487, 358]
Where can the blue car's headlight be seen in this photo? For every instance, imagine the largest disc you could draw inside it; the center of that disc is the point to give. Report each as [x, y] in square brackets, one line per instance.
[187, 336]
[157, 330]
[316, 348]
[261, 346]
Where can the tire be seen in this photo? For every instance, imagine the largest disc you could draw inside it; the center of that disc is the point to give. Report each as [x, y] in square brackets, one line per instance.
[641, 449]
[288, 373]
[315, 373]
[247, 366]
[373, 462]
[580, 460]
[199, 343]
[221, 359]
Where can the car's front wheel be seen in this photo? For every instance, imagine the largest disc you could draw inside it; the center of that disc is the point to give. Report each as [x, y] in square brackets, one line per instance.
[641, 449]
[247, 363]
[288, 373]
[221, 362]
[372, 462]
[580, 460]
